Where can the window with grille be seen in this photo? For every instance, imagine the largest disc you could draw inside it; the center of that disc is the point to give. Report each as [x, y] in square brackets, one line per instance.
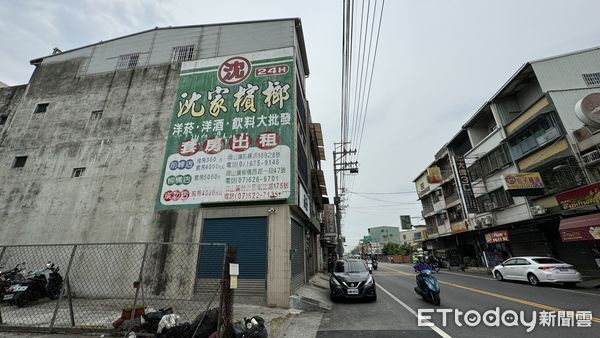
[182, 53]
[41, 108]
[78, 172]
[128, 61]
[19, 161]
[3, 119]
[96, 114]
[591, 79]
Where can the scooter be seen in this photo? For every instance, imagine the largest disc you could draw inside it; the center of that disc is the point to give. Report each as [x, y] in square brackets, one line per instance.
[435, 266]
[35, 286]
[429, 290]
[375, 265]
[8, 277]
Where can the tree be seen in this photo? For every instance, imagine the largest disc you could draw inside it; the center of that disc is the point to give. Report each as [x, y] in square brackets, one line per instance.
[406, 249]
[391, 249]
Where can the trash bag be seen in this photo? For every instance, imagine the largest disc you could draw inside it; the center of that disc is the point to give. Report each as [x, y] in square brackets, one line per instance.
[153, 318]
[205, 323]
[167, 322]
[177, 331]
[255, 328]
[239, 329]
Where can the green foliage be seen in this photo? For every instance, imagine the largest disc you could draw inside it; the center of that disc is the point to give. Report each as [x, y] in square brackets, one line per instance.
[406, 249]
[390, 249]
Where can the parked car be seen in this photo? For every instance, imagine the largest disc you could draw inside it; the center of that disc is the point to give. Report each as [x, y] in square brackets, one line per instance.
[351, 279]
[537, 270]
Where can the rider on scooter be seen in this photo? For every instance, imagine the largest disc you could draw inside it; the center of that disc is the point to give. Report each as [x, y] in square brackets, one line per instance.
[420, 266]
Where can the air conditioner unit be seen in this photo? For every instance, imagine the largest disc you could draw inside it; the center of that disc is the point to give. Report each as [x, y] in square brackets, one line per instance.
[537, 210]
[478, 223]
[487, 220]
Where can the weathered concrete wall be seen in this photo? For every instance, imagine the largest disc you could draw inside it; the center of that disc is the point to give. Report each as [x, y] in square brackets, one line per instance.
[122, 153]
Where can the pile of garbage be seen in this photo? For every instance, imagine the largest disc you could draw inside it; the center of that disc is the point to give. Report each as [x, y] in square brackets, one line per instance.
[166, 324]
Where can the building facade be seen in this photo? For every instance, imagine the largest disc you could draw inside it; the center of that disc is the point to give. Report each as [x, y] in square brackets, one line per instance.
[157, 136]
[532, 153]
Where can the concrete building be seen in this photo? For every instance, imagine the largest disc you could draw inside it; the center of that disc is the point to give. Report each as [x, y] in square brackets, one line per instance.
[94, 147]
[531, 162]
[384, 234]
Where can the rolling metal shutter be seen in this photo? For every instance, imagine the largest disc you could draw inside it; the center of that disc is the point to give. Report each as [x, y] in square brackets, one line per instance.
[527, 243]
[249, 237]
[297, 256]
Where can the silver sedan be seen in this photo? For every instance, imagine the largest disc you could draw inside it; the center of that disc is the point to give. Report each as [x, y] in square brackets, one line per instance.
[536, 270]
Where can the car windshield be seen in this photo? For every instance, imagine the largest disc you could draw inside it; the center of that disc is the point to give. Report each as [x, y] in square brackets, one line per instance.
[547, 261]
[350, 266]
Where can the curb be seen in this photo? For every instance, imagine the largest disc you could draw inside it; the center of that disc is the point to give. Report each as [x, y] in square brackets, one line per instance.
[307, 304]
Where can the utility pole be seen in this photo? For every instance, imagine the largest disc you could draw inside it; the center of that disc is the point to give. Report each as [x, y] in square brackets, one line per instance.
[340, 165]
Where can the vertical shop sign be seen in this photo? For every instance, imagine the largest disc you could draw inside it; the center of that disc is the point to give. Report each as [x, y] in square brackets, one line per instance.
[231, 137]
[465, 184]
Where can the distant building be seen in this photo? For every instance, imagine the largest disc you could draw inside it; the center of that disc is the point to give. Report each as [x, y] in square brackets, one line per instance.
[385, 234]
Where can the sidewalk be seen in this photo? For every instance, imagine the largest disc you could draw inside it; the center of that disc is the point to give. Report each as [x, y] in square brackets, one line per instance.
[301, 320]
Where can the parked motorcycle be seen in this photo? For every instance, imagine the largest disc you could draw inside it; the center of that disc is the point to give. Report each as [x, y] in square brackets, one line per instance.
[7, 277]
[35, 286]
[427, 287]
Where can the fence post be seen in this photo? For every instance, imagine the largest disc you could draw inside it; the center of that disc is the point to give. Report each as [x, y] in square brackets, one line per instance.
[226, 313]
[138, 284]
[62, 291]
[1, 256]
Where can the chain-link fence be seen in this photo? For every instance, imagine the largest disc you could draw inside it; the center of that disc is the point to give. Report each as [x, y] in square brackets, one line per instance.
[106, 287]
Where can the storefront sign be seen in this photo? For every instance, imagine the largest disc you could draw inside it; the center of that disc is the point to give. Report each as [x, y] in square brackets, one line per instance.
[523, 184]
[496, 236]
[580, 228]
[579, 198]
[458, 227]
[465, 185]
[232, 135]
[304, 201]
[434, 175]
[329, 218]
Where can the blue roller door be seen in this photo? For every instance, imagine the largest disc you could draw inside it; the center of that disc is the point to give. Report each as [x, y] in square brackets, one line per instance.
[248, 235]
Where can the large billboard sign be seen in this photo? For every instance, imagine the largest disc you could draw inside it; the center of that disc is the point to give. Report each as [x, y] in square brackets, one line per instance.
[231, 137]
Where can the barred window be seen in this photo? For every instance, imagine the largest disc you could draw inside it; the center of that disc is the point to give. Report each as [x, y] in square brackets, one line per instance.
[496, 199]
[182, 53]
[128, 61]
[591, 79]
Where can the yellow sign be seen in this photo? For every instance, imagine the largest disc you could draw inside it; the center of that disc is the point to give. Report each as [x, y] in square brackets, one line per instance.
[519, 181]
[233, 282]
[434, 175]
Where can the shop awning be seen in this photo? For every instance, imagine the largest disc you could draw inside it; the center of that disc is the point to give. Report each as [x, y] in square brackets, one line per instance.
[581, 228]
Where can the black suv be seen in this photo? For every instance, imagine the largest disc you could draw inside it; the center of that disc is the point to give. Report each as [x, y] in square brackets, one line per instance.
[351, 280]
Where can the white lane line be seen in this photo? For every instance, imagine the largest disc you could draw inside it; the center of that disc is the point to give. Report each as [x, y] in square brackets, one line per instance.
[578, 292]
[414, 313]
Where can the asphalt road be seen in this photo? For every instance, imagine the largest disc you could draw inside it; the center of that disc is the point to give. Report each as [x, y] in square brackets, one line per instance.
[394, 314]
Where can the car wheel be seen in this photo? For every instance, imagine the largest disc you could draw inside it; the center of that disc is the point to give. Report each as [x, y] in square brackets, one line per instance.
[570, 284]
[533, 280]
[498, 276]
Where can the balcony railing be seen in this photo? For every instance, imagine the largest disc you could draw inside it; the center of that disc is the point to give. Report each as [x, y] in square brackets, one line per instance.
[452, 198]
[591, 157]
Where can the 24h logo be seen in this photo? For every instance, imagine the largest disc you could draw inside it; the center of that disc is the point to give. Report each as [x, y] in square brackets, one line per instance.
[234, 70]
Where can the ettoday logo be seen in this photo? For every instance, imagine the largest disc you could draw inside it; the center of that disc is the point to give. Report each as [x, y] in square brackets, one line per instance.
[508, 318]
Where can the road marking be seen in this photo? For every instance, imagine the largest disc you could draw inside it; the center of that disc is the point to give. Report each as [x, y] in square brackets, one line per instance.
[578, 292]
[497, 295]
[414, 313]
[489, 278]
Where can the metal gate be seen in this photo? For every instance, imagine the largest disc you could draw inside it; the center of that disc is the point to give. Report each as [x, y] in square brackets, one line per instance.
[249, 236]
[297, 255]
[528, 242]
